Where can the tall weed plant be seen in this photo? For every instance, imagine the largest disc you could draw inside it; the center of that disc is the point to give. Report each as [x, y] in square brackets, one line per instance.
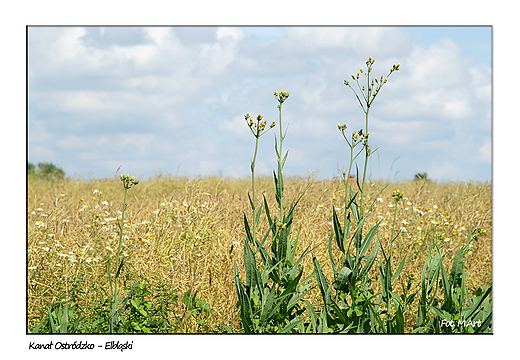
[271, 297]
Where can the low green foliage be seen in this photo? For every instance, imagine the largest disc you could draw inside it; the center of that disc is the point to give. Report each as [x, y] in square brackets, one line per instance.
[148, 310]
[458, 311]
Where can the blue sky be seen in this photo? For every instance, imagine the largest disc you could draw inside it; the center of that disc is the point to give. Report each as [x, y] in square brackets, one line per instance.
[173, 99]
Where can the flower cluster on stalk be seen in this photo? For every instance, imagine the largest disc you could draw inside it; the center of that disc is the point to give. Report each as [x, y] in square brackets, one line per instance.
[128, 181]
[371, 88]
[397, 195]
[356, 138]
[281, 96]
[258, 127]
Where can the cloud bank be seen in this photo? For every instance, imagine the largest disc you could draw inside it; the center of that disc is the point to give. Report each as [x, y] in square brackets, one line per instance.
[173, 99]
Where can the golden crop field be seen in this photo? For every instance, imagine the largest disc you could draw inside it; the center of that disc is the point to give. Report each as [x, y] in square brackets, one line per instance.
[184, 236]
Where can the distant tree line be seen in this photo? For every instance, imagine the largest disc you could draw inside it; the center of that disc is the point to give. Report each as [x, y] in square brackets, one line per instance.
[45, 171]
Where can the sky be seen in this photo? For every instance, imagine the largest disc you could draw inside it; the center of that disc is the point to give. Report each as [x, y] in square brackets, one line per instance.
[149, 100]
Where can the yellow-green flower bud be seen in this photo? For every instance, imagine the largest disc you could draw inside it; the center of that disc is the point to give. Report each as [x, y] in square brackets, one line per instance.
[397, 195]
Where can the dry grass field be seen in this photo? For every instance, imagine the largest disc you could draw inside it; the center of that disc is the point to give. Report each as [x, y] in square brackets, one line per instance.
[184, 235]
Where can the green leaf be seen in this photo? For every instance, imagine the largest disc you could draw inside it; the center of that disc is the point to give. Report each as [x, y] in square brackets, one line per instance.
[296, 298]
[457, 269]
[433, 269]
[338, 232]
[120, 267]
[257, 217]
[354, 206]
[339, 313]
[251, 201]
[304, 253]
[278, 303]
[399, 321]
[485, 324]
[330, 253]
[285, 158]
[359, 233]
[370, 259]
[282, 244]
[250, 266]
[245, 307]
[228, 329]
[476, 305]
[399, 269]
[64, 323]
[447, 288]
[313, 317]
[291, 287]
[248, 230]
[322, 328]
[292, 325]
[267, 307]
[268, 214]
[341, 282]
[278, 185]
[322, 281]
[51, 320]
[368, 239]
[386, 278]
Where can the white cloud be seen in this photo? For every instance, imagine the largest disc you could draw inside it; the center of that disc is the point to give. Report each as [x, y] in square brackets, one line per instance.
[157, 34]
[233, 32]
[484, 153]
[237, 126]
[445, 171]
[367, 41]
[396, 132]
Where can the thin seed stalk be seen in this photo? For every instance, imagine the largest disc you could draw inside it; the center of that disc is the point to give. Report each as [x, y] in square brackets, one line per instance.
[115, 294]
[280, 159]
[393, 227]
[365, 145]
[253, 163]
[121, 224]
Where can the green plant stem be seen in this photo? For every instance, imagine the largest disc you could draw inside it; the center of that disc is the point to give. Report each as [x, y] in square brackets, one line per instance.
[393, 227]
[362, 208]
[121, 224]
[253, 202]
[280, 159]
[115, 293]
